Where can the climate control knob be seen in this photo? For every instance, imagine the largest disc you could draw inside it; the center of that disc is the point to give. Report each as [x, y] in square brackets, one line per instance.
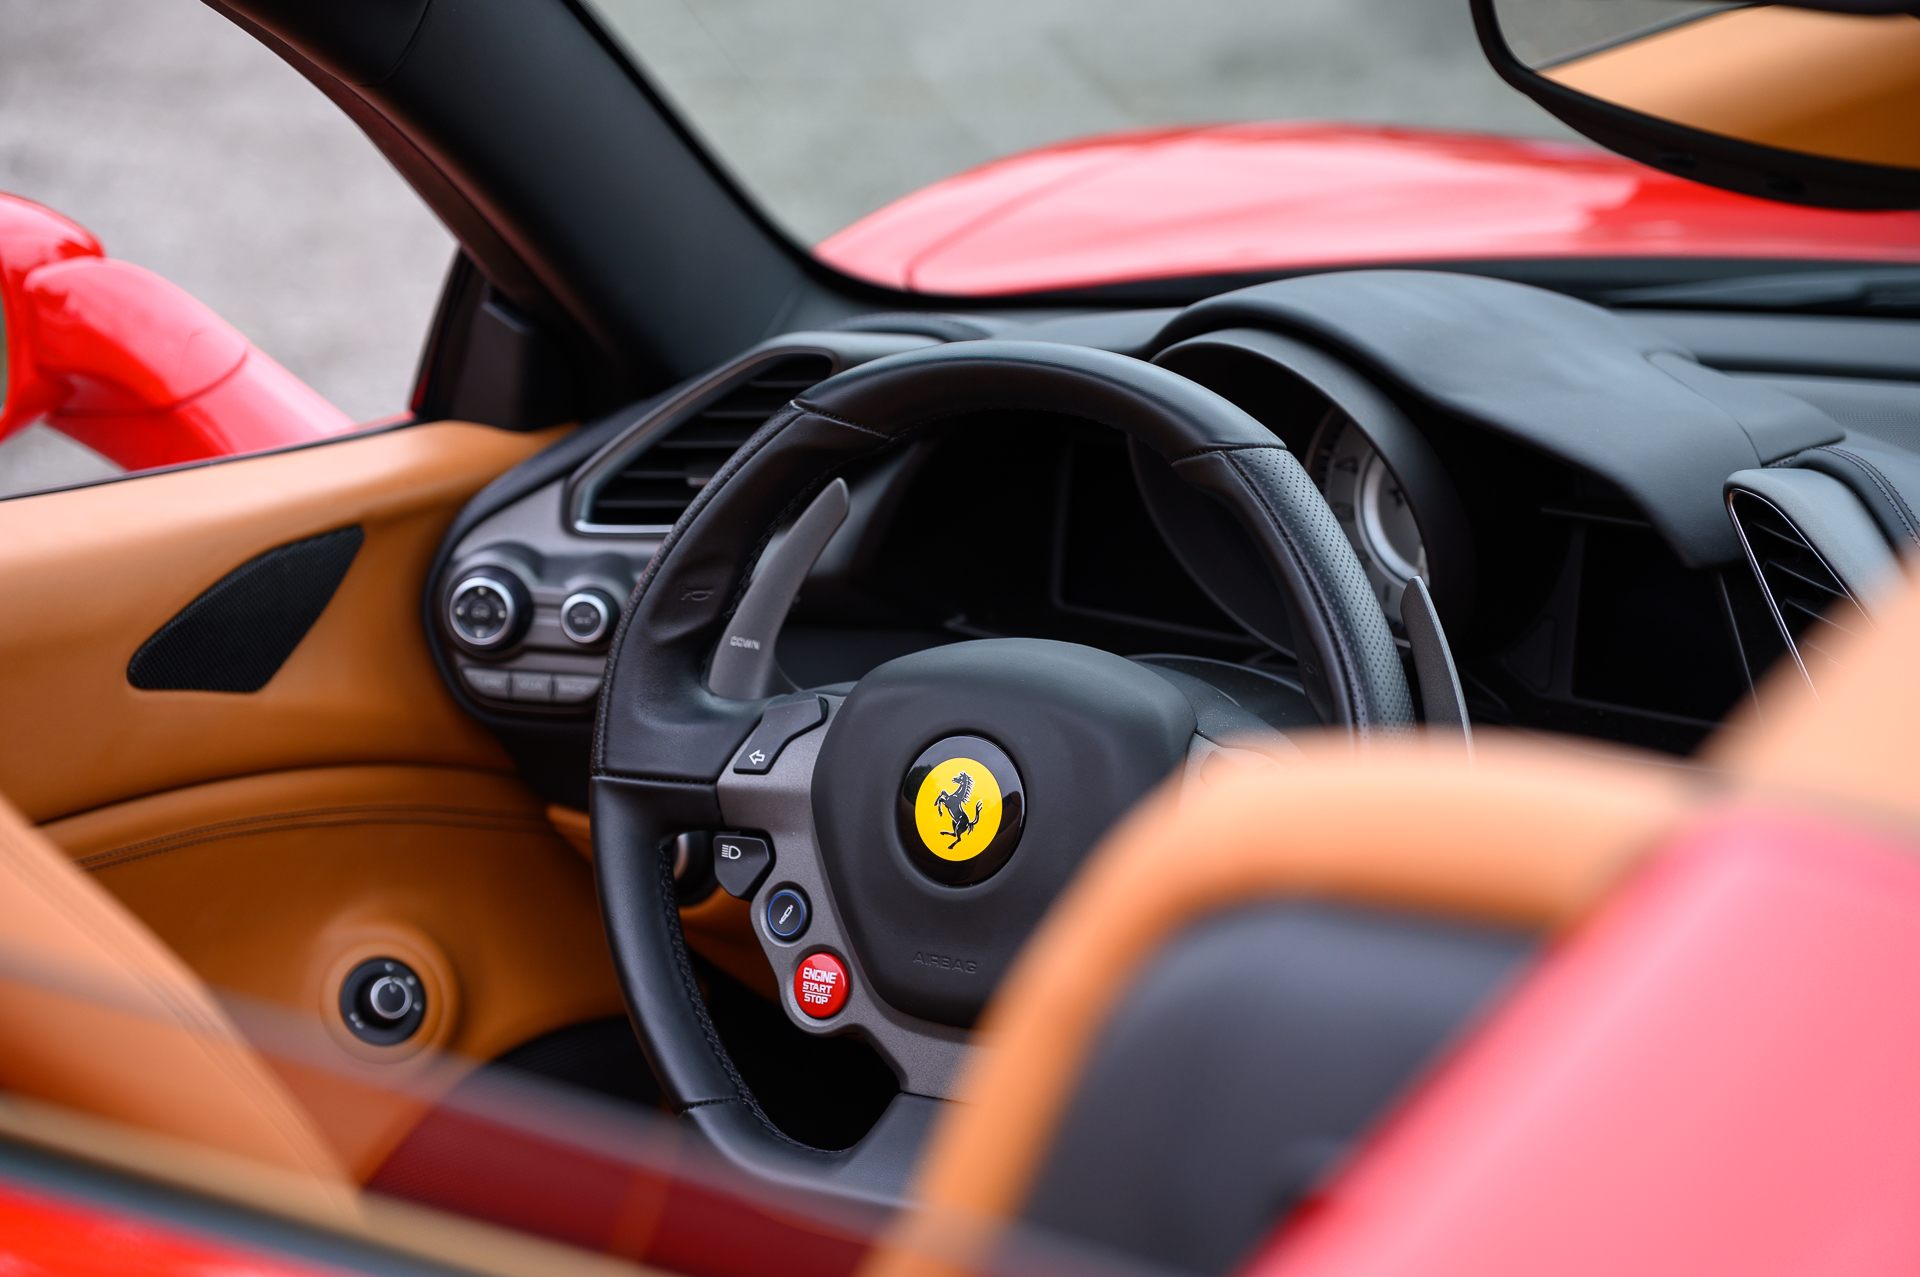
[587, 616]
[488, 610]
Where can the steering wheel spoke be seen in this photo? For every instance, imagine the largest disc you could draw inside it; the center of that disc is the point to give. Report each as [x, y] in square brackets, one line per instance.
[927, 1057]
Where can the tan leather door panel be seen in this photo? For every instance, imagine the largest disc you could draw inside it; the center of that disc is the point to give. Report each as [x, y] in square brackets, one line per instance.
[347, 810]
[273, 887]
[88, 574]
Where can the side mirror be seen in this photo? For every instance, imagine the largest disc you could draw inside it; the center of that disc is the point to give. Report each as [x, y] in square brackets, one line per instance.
[130, 365]
[1816, 103]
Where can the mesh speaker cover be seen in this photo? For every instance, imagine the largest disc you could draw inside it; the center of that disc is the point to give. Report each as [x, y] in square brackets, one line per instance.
[238, 634]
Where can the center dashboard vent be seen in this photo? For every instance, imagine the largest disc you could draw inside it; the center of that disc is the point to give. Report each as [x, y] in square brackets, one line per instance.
[655, 485]
[1809, 602]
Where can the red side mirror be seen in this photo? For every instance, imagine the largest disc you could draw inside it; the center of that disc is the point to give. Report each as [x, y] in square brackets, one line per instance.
[129, 364]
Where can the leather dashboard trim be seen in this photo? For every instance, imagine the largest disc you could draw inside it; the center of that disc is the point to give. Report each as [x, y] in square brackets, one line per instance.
[1556, 374]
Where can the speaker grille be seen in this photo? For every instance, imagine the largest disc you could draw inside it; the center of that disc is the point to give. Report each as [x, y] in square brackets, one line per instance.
[237, 635]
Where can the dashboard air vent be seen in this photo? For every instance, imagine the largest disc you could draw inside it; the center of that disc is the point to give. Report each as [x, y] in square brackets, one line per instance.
[657, 484]
[1809, 602]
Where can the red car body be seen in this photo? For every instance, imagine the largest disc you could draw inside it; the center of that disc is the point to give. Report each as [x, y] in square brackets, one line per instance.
[131, 365]
[1244, 199]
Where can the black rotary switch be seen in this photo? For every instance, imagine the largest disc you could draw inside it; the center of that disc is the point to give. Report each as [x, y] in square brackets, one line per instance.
[389, 998]
[488, 610]
[383, 1001]
[587, 616]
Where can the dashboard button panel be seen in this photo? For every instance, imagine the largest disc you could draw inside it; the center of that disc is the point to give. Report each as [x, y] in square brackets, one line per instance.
[526, 610]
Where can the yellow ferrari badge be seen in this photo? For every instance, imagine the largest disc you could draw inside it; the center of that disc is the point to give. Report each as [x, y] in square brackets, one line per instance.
[957, 810]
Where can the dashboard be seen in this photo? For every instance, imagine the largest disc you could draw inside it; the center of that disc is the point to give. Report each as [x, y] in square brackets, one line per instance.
[1625, 519]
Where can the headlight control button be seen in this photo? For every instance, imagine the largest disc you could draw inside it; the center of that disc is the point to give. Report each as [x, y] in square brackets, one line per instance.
[820, 985]
[741, 863]
[788, 913]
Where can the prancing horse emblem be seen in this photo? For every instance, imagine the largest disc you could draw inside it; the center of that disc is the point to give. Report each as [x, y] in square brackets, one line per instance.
[953, 802]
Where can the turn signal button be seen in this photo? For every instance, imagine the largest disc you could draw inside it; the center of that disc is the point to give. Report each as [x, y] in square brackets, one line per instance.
[820, 985]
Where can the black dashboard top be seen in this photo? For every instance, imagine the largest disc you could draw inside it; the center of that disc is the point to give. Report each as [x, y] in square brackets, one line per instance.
[1574, 464]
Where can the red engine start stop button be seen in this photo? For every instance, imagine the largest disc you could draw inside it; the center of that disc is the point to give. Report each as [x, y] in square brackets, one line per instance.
[820, 985]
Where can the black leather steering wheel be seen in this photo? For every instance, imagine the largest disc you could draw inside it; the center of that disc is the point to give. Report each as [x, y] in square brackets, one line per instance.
[1066, 737]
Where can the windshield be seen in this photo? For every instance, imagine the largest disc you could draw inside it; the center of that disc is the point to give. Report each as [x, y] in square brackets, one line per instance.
[832, 115]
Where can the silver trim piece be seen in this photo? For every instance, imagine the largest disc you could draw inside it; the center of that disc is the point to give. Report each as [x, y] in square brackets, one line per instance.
[1835, 529]
[743, 668]
[373, 999]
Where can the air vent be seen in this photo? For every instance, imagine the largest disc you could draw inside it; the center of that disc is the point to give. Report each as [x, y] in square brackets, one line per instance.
[1809, 602]
[653, 487]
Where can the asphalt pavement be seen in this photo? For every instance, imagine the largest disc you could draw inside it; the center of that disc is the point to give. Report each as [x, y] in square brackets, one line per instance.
[831, 108]
[187, 147]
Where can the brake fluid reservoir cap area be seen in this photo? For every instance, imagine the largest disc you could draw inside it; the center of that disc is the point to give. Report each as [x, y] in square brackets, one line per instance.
[820, 985]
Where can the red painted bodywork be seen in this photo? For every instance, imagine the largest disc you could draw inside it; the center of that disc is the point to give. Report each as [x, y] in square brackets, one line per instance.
[1716, 1074]
[617, 1189]
[1247, 198]
[131, 365]
[42, 1237]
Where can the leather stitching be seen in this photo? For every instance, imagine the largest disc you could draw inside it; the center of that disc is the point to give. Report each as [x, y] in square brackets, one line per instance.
[1214, 448]
[319, 818]
[838, 420]
[1886, 487]
[691, 984]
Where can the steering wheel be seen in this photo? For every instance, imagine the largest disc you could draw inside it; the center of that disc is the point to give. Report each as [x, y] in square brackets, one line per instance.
[919, 824]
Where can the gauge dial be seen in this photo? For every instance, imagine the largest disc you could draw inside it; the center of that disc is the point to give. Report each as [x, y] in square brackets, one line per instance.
[1371, 506]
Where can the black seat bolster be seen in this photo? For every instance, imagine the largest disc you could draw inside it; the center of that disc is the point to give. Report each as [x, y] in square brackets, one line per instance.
[1249, 1055]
